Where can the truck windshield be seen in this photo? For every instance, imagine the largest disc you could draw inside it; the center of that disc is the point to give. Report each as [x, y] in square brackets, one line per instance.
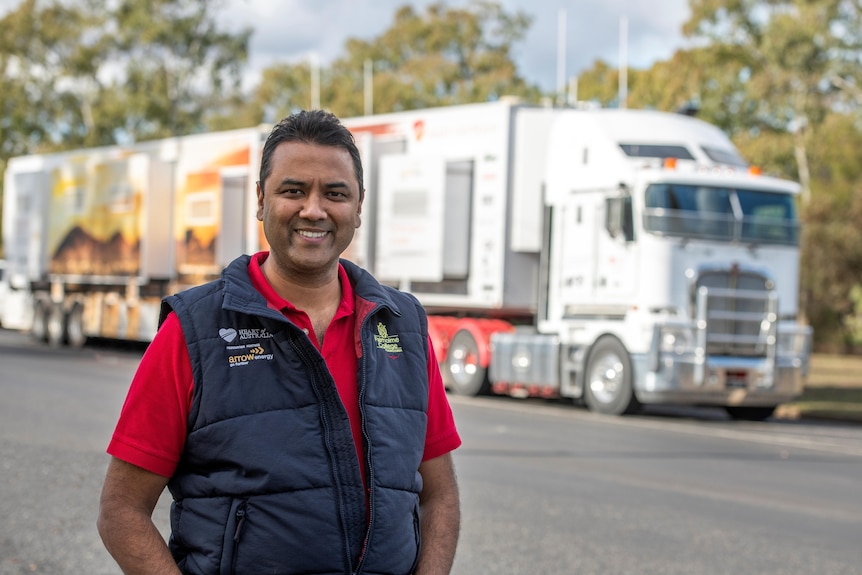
[722, 214]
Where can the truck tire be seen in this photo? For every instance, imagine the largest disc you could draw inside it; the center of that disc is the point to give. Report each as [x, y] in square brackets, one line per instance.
[745, 413]
[39, 330]
[75, 335]
[608, 381]
[464, 374]
[56, 325]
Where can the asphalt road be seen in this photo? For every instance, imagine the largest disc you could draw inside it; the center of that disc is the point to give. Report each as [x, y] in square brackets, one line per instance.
[547, 488]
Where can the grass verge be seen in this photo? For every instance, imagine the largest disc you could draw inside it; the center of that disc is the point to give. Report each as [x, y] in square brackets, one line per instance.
[833, 390]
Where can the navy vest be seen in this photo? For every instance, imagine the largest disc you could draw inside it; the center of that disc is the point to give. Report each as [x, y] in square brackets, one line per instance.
[269, 480]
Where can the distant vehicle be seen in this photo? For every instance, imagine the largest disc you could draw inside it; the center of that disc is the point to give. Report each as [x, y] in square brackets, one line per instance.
[615, 257]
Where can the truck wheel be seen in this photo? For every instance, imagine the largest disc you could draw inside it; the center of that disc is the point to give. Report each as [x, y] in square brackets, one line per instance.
[75, 327]
[746, 413]
[464, 373]
[39, 330]
[608, 380]
[56, 326]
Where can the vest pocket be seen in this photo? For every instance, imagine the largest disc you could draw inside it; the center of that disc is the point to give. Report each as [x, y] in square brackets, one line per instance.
[232, 535]
[417, 530]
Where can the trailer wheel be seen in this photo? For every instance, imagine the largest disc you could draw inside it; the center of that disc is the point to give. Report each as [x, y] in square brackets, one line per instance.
[609, 376]
[745, 413]
[464, 372]
[39, 330]
[56, 325]
[75, 335]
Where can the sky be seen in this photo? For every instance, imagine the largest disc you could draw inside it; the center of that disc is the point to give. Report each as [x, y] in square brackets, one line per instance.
[297, 30]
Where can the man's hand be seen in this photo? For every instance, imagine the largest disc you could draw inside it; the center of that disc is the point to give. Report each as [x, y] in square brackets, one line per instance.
[125, 523]
[440, 516]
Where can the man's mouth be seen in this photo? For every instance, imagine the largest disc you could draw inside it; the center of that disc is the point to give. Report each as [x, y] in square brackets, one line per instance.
[311, 235]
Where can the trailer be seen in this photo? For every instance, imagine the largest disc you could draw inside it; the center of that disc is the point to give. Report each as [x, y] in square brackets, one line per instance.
[95, 238]
[615, 257]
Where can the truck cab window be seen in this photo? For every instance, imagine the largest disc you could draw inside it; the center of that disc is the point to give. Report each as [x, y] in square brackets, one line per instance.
[619, 220]
[722, 214]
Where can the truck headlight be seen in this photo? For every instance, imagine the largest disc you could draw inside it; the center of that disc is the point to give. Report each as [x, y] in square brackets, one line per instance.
[676, 339]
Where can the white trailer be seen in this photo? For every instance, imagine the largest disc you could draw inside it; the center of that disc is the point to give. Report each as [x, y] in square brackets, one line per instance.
[618, 257]
[95, 238]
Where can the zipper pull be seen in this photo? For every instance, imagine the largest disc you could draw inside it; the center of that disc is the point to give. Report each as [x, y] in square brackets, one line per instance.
[240, 516]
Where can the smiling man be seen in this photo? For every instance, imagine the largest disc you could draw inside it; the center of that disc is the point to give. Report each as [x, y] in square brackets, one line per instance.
[293, 408]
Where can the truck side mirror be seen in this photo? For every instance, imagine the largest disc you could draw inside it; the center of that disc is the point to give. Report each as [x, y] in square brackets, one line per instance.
[619, 218]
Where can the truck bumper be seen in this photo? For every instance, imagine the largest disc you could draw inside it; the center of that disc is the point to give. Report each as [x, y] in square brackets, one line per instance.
[722, 381]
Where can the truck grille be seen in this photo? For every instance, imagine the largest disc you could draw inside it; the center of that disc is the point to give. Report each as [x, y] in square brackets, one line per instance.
[739, 310]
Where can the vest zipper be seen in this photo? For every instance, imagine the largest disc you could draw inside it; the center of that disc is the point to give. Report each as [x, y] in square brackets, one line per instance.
[363, 379]
[316, 377]
[240, 520]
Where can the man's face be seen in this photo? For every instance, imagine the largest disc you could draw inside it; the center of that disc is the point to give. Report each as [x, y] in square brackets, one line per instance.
[309, 206]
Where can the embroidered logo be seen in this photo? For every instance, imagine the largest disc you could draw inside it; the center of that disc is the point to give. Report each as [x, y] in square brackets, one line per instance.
[254, 352]
[386, 342]
[240, 352]
[229, 334]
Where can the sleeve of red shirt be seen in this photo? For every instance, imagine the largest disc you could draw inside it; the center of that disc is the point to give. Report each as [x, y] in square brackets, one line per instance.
[151, 431]
[441, 436]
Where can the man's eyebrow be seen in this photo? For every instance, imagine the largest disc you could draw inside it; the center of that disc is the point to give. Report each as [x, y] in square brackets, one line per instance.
[338, 184]
[302, 183]
[291, 182]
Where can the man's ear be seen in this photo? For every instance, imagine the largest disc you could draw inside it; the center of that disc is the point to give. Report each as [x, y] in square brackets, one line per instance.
[259, 202]
[358, 217]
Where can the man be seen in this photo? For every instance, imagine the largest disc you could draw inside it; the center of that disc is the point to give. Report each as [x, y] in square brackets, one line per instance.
[294, 407]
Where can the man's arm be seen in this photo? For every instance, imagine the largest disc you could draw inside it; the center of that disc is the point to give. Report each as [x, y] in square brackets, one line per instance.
[125, 523]
[440, 516]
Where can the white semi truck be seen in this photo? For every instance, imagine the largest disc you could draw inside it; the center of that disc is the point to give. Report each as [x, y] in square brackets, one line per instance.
[616, 257]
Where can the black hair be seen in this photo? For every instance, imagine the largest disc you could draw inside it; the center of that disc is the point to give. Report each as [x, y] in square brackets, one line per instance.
[311, 127]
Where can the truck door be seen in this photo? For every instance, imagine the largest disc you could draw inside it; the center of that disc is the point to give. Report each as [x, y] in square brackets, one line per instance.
[616, 272]
[231, 241]
[572, 263]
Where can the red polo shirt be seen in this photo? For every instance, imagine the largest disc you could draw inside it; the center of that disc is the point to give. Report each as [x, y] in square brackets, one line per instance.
[152, 428]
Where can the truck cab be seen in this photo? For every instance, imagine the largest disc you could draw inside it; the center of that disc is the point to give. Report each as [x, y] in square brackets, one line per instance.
[671, 267]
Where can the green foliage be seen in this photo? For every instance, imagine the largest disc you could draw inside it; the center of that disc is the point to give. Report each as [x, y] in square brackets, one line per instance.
[442, 57]
[179, 66]
[85, 74]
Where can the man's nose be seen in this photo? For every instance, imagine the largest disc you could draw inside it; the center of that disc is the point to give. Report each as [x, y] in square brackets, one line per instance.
[313, 207]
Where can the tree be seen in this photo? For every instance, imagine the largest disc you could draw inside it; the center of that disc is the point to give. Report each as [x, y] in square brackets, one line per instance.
[442, 57]
[85, 74]
[793, 53]
[179, 68]
[49, 58]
